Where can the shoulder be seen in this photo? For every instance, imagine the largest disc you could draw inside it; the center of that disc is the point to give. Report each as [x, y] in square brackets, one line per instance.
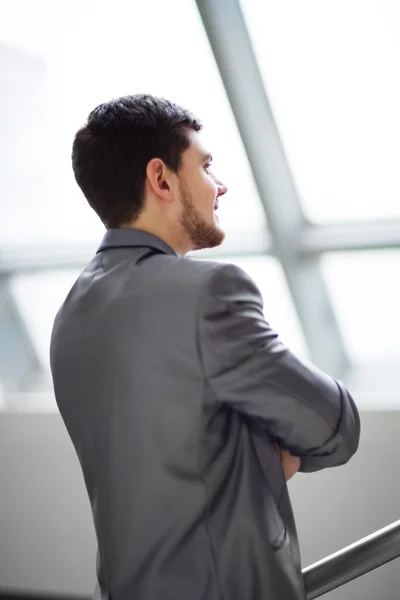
[221, 282]
[212, 276]
[202, 282]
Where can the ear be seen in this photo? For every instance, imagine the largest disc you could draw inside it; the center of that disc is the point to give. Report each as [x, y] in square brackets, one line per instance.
[159, 179]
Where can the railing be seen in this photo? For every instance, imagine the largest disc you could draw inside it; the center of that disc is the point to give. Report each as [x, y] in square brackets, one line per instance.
[320, 578]
[352, 562]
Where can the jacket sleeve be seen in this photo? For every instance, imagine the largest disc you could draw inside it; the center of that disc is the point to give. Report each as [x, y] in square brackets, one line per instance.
[309, 413]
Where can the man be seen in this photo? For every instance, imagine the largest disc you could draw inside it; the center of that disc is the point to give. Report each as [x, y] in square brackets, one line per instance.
[181, 402]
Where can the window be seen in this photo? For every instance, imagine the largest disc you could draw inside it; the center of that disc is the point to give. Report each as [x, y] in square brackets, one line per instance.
[335, 99]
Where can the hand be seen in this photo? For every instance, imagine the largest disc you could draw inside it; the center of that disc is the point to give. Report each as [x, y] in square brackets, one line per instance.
[290, 464]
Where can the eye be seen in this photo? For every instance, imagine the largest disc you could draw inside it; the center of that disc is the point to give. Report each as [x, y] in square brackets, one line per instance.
[207, 166]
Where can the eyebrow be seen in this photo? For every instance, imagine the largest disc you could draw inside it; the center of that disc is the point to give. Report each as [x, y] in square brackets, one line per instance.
[207, 157]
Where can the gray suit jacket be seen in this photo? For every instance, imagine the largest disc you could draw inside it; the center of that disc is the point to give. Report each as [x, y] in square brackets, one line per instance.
[173, 388]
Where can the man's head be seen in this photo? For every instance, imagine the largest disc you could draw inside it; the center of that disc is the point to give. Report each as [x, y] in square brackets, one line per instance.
[141, 163]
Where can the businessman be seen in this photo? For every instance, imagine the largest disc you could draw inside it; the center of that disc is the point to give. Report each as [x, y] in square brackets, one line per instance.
[187, 412]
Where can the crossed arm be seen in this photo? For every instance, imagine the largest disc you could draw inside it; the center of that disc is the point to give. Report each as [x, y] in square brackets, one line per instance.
[309, 414]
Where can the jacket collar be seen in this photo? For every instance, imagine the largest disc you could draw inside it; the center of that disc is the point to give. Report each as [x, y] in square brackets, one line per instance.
[131, 238]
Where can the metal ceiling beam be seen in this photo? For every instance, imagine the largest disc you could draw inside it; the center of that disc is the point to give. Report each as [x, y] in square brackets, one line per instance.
[382, 234]
[234, 55]
[28, 259]
[19, 362]
[45, 257]
[313, 240]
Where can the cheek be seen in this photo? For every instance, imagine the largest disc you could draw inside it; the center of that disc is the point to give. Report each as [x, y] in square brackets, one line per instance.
[210, 187]
[203, 190]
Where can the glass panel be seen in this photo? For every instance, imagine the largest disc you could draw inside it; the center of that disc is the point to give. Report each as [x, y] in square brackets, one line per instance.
[365, 293]
[56, 69]
[38, 297]
[330, 72]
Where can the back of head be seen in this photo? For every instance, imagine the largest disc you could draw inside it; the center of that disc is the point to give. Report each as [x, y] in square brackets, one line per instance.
[111, 151]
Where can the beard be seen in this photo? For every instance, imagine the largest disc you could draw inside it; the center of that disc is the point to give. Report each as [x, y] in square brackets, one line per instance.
[201, 233]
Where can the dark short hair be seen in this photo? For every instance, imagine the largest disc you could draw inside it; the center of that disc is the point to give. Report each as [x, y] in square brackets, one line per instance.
[111, 151]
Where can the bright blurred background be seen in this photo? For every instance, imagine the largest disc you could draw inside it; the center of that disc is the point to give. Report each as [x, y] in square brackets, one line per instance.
[330, 71]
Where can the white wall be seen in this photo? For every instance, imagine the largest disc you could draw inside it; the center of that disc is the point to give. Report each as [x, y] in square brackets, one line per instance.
[47, 541]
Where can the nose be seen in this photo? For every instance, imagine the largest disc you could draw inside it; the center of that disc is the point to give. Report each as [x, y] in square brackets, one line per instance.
[222, 189]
